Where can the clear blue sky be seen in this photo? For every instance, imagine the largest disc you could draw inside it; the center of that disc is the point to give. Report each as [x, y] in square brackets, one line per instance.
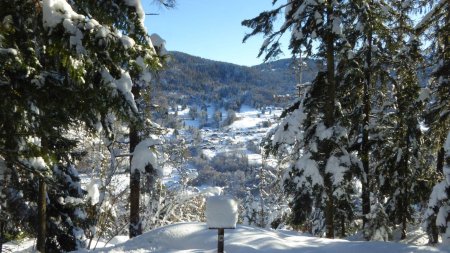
[210, 28]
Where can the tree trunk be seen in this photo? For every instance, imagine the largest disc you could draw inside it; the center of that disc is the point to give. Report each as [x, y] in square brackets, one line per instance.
[2, 226]
[42, 216]
[365, 147]
[135, 220]
[331, 82]
[329, 119]
[440, 160]
[433, 236]
[405, 195]
[135, 228]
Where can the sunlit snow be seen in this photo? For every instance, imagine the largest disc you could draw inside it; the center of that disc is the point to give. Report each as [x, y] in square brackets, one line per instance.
[196, 237]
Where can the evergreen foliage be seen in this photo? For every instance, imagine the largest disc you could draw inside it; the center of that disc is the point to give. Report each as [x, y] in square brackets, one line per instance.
[372, 130]
[63, 64]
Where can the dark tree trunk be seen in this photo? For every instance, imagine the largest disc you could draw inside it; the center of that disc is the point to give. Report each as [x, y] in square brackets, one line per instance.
[433, 236]
[365, 147]
[42, 216]
[135, 228]
[440, 160]
[329, 120]
[135, 220]
[2, 236]
[405, 195]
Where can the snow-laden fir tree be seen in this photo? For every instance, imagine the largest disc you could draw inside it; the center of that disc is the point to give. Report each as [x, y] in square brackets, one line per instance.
[63, 64]
[435, 27]
[322, 165]
[361, 70]
[438, 212]
[401, 166]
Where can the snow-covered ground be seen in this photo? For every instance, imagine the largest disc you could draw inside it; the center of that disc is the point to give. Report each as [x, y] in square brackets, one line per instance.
[196, 237]
[251, 125]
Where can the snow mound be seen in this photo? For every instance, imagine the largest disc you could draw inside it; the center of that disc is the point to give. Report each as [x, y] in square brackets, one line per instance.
[196, 237]
[221, 212]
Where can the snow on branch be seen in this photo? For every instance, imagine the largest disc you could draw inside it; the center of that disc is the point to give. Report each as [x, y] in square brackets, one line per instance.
[428, 19]
[144, 154]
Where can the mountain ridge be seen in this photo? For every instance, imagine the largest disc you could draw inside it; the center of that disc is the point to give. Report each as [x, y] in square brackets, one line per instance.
[191, 79]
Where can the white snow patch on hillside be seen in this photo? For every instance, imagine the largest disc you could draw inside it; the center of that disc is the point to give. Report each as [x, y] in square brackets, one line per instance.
[247, 118]
[196, 237]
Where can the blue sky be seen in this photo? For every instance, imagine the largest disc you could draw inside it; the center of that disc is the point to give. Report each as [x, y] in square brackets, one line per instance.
[210, 28]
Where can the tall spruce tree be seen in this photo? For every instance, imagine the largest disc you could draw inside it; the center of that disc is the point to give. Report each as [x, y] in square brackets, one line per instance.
[360, 69]
[62, 64]
[437, 214]
[435, 27]
[401, 152]
[321, 166]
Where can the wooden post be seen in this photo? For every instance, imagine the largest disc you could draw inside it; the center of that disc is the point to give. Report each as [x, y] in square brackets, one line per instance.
[220, 240]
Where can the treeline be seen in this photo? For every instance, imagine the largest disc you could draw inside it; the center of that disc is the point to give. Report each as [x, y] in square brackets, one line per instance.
[365, 119]
[192, 80]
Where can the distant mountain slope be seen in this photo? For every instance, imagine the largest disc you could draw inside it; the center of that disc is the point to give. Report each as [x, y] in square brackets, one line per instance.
[190, 79]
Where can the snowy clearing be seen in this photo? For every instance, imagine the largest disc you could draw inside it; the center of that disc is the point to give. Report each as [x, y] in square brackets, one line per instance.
[196, 237]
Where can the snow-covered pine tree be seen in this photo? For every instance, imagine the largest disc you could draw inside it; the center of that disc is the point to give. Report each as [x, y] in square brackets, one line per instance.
[320, 171]
[401, 166]
[435, 27]
[320, 165]
[361, 70]
[438, 212]
[62, 64]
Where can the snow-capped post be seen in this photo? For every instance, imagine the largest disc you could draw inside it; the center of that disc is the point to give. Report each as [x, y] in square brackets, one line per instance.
[221, 214]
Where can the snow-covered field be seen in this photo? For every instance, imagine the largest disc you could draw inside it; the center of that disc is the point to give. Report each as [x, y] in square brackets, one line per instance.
[196, 237]
[251, 125]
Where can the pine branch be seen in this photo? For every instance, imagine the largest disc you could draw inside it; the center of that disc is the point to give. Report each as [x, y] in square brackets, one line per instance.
[431, 17]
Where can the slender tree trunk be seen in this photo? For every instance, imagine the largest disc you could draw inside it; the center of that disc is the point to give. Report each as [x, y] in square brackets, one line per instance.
[404, 174]
[434, 231]
[365, 147]
[135, 228]
[135, 220]
[440, 160]
[329, 119]
[2, 235]
[261, 197]
[331, 89]
[433, 236]
[42, 216]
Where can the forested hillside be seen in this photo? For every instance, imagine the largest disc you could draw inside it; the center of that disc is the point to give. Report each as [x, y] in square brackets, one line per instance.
[193, 80]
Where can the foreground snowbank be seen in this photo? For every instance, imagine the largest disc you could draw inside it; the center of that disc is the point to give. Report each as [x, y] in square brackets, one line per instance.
[196, 237]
